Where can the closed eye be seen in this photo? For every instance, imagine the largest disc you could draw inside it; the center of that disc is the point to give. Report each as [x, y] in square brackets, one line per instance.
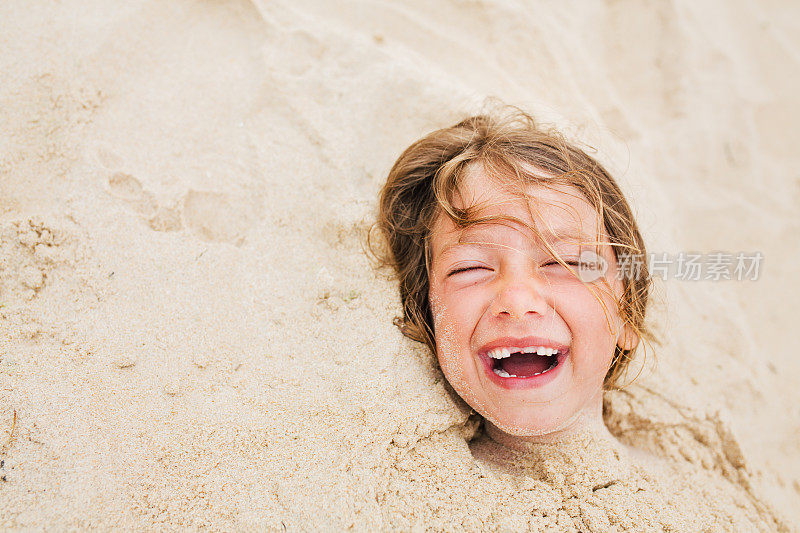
[573, 263]
[465, 269]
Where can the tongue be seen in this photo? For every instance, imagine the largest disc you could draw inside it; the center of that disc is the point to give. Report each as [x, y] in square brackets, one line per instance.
[525, 365]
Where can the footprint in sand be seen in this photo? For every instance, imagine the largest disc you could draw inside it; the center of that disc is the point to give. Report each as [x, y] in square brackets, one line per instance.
[130, 190]
[216, 216]
[213, 216]
[105, 156]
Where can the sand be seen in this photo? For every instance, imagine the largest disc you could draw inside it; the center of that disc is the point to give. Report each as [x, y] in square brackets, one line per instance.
[192, 334]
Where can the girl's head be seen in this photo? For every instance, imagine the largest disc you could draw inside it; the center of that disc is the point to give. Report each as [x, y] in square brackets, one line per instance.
[508, 240]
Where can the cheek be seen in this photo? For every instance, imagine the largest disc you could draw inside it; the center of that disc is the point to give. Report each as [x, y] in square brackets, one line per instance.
[593, 344]
[454, 319]
[448, 321]
[590, 324]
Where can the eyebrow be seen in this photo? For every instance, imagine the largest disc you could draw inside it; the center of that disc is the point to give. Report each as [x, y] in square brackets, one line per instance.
[558, 234]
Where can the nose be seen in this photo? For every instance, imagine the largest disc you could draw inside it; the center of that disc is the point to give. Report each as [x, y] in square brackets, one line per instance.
[518, 295]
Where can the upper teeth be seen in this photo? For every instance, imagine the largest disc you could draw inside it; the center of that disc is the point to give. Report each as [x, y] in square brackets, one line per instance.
[502, 353]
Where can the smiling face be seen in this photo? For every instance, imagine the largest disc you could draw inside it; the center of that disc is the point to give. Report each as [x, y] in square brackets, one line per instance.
[494, 286]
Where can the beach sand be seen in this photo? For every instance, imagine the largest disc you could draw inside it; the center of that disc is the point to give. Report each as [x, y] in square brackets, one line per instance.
[193, 335]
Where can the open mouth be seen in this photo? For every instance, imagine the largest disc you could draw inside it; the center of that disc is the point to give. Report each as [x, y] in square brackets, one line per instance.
[524, 362]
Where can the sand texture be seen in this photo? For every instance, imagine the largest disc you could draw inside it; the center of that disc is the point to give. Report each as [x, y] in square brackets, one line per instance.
[191, 334]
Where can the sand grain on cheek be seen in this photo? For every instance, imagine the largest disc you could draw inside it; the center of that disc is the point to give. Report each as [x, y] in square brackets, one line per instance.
[449, 353]
[444, 335]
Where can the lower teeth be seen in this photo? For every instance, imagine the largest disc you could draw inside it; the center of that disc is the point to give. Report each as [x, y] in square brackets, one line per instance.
[503, 374]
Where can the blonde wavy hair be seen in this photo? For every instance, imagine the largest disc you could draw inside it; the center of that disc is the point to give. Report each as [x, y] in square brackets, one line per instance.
[508, 143]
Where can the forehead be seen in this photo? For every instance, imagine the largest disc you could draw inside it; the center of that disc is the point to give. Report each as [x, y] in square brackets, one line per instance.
[556, 211]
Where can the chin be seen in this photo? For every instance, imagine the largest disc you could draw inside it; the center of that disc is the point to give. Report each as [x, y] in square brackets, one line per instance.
[529, 430]
[521, 428]
[534, 424]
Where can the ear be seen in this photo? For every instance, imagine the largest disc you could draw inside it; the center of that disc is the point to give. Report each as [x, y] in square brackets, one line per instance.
[627, 339]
